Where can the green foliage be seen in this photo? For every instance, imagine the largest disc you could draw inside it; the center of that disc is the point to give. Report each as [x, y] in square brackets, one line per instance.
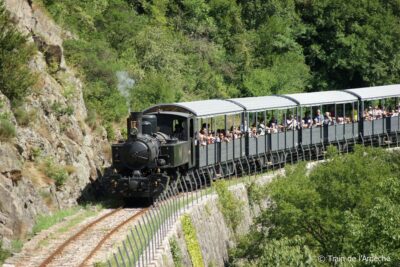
[15, 53]
[60, 109]
[4, 253]
[55, 172]
[44, 222]
[230, 206]
[347, 206]
[195, 49]
[351, 43]
[17, 245]
[7, 129]
[191, 241]
[25, 118]
[176, 252]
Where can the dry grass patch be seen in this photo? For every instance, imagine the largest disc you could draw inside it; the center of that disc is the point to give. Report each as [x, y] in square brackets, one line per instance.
[32, 171]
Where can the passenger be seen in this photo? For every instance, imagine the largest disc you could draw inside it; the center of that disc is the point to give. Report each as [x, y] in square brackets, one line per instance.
[244, 127]
[291, 123]
[307, 120]
[366, 115]
[272, 121]
[228, 136]
[238, 132]
[261, 128]
[220, 138]
[206, 127]
[211, 139]
[319, 119]
[253, 132]
[328, 120]
[202, 138]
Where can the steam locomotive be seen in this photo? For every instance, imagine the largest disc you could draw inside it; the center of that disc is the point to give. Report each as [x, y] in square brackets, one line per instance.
[152, 156]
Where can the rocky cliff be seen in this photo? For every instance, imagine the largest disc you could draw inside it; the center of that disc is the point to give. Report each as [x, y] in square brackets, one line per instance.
[55, 134]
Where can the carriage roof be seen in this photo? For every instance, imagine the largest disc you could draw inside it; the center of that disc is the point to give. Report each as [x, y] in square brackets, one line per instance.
[322, 98]
[262, 103]
[203, 108]
[376, 92]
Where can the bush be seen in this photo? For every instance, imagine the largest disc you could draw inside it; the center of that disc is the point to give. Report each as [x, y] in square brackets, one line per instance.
[7, 129]
[4, 253]
[191, 241]
[23, 117]
[230, 206]
[176, 252]
[57, 173]
[60, 110]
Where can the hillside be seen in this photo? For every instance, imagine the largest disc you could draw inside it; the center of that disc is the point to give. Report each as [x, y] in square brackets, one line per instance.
[48, 152]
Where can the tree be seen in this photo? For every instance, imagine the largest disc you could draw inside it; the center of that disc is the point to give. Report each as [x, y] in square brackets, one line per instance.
[15, 53]
[351, 44]
[347, 206]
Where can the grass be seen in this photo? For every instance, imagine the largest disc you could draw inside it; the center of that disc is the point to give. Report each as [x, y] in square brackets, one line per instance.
[44, 222]
[24, 117]
[4, 253]
[87, 212]
[7, 130]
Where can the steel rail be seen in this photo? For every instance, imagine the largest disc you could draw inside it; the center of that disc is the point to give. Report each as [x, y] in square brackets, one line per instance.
[109, 234]
[58, 251]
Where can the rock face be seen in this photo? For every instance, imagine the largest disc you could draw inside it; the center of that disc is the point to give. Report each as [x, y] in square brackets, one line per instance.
[56, 133]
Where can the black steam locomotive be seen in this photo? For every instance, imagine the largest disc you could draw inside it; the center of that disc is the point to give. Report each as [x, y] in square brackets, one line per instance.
[161, 147]
[156, 152]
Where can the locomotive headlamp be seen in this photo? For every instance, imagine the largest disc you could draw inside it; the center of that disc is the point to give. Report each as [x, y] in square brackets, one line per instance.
[134, 129]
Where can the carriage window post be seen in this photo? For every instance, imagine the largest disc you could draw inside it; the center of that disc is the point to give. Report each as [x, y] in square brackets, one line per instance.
[208, 135]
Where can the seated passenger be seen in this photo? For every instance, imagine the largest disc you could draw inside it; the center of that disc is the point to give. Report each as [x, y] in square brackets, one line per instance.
[318, 119]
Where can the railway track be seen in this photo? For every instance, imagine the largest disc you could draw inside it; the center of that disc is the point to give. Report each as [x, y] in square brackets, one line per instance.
[87, 241]
[77, 248]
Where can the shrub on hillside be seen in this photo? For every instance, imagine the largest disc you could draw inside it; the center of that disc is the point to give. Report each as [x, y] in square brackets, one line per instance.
[56, 172]
[7, 129]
